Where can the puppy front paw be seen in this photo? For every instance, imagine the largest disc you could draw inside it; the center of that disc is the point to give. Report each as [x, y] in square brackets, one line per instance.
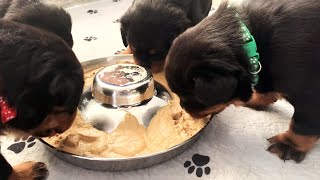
[120, 51]
[285, 151]
[124, 51]
[29, 171]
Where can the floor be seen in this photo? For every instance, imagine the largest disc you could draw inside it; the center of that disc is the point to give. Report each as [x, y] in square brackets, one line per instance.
[68, 3]
[234, 143]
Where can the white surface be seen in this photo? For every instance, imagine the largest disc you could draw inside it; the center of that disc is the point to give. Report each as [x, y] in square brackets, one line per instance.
[235, 141]
[99, 25]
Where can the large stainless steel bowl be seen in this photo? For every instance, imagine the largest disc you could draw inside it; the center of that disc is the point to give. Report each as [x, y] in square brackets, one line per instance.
[121, 164]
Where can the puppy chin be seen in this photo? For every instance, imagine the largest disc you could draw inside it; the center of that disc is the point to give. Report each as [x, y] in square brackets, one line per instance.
[127, 51]
[42, 134]
[157, 67]
[199, 114]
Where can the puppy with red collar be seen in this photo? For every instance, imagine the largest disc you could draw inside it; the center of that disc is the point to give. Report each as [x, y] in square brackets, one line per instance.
[269, 46]
[41, 82]
[38, 14]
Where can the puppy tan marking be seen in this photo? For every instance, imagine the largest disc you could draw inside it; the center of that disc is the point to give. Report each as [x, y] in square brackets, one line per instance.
[290, 145]
[29, 171]
[259, 100]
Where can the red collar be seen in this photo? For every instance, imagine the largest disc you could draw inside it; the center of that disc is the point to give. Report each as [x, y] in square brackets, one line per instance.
[7, 112]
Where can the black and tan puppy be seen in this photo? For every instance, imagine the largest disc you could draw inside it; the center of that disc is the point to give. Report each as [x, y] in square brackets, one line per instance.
[41, 81]
[40, 15]
[149, 27]
[209, 68]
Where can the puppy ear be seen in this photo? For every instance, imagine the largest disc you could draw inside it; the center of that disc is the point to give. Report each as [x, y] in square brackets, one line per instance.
[219, 81]
[215, 89]
[181, 26]
[66, 91]
[200, 9]
[124, 29]
[30, 111]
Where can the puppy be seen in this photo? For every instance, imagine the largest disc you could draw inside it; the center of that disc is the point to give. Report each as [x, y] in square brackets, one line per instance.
[41, 82]
[209, 67]
[40, 15]
[149, 27]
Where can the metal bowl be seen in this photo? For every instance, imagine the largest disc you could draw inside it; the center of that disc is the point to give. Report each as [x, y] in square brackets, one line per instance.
[120, 164]
[121, 85]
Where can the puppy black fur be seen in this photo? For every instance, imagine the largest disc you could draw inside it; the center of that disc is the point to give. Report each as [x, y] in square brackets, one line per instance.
[150, 26]
[40, 15]
[207, 65]
[38, 73]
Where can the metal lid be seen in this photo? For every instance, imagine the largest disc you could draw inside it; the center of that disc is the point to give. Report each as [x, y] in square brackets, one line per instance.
[121, 85]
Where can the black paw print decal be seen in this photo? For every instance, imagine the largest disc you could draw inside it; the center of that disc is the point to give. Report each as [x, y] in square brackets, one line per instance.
[21, 143]
[90, 38]
[116, 21]
[198, 161]
[92, 11]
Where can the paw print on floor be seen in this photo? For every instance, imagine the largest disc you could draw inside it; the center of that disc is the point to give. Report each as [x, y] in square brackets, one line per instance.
[116, 21]
[20, 143]
[198, 162]
[90, 11]
[90, 38]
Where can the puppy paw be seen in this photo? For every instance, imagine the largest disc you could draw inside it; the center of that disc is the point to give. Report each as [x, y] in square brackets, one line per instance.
[285, 150]
[120, 52]
[124, 51]
[29, 171]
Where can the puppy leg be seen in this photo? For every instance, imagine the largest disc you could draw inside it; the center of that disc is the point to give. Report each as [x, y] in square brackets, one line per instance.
[5, 168]
[29, 171]
[291, 146]
[127, 51]
[261, 101]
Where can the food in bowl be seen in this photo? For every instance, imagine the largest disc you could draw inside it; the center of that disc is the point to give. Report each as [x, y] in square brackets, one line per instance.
[169, 127]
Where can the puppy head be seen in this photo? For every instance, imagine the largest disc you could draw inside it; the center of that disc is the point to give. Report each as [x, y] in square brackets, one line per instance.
[51, 18]
[149, 28]
[41, 78]
[206, 67]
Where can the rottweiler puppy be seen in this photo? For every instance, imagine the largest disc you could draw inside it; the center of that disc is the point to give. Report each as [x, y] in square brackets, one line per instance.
[41, 82]
[38, 14]
[149, 27]
[254, 55]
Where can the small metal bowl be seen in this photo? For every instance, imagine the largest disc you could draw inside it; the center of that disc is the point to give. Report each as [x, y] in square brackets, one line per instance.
[122, 85]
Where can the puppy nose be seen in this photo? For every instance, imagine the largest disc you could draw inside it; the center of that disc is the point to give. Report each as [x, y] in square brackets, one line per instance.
[51, 133]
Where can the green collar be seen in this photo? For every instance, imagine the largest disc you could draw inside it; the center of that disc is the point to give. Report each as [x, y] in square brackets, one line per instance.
[250, 47]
